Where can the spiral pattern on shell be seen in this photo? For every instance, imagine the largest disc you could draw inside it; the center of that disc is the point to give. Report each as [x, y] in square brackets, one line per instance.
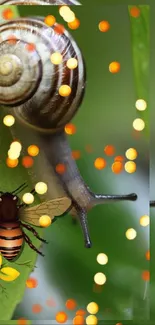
[39, 2]
[30, 82]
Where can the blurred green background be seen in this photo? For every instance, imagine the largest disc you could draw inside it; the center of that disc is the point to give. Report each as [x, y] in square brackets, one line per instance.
[105, 117]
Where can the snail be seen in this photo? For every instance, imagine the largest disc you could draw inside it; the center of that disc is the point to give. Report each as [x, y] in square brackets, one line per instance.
[30, 89]
[39, 2]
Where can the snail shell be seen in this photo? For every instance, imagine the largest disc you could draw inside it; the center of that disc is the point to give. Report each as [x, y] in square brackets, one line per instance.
[39, 2]
[30, 82]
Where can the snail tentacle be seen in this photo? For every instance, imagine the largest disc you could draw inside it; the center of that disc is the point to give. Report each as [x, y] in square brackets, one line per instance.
[100, 198]
[82, 216]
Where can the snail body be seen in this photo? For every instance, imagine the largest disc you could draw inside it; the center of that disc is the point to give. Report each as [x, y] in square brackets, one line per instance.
[29, 86]
[39, 2]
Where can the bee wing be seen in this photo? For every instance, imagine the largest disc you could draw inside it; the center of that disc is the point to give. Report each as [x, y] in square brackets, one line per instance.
[52, 208]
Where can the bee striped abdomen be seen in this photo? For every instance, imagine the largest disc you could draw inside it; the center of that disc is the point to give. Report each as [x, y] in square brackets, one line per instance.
[11, 240]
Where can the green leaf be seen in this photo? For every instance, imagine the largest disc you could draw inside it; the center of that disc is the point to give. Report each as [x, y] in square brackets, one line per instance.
[17, 176]
[11, 178]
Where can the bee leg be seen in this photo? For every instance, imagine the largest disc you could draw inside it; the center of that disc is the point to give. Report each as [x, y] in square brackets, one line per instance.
[29, 242]
[28, 227]
[82, 217]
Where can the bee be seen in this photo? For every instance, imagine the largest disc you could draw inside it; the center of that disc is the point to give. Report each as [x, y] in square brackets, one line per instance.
[15, 217]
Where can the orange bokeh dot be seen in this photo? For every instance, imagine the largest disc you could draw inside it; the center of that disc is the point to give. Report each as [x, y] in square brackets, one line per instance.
[30, 47]
[146, 275]
[27, 161]
[74, 24]
[7, 14]
[37, 308]
[12, 163]
[119, 158]
[31, 283]
[81, 312]
[114, 67]
[33, 150]
[88, 148]
[117, 167]
[78, 320]
[70, 128]
[61, 317]
[71, 304]
[59, 29]
[109, 150]
[119, 324]
[49, 20]
[100, 163]
[147, 255]
[60, 168]
[76, 154]
[135, 12]
[22, 321]
[104, 26]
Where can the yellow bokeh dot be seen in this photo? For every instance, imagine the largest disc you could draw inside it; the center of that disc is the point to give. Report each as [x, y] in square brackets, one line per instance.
[33, 150]
[130, 167]
[141, 104]
[64, 10]
[102, 258]
[131, 234]
[92, 308]
[16, 145]
[91, 320]
[131, 154]
[28, 198]
[144, 221]
[13, 154]
[72, 63]
[56, 58]
[8, 120]
[138, 124]
[41, 188]
[45, 221]
[64, 90]
[100, 278]
[69, 17]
